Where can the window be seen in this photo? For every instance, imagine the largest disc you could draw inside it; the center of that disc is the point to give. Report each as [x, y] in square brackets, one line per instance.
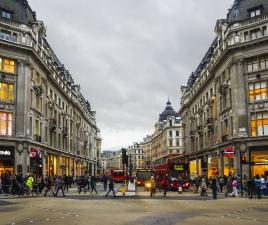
[5, 123]
[257, 64]
[6, 92]
[255, 13]
[170, 143]
[257, 91]
[6, 14]
[0, 64]
[255, 34]
[170, 133]
[259, 124]
[177, 133]
[9, 66]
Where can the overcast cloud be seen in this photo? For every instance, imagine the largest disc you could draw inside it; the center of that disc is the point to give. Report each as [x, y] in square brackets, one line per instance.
[130, 55]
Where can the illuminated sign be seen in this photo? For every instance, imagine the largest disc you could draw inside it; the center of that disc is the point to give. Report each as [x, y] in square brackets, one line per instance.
[229, 152]
[5, 152]
[178, 167]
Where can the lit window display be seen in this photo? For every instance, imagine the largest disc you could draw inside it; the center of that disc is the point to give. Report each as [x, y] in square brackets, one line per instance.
[193, 168]
[213, 166]
[228, 166]
[259, 161]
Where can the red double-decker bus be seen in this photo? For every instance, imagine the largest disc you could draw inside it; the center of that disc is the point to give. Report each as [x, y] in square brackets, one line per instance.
[170, 165]
[118, 176]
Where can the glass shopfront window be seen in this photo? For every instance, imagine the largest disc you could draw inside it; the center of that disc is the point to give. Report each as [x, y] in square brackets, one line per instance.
[64, 165]
[213, 166]
[195, 168]
[6, 159]
[228, 166]
[259, 161]
[51, 165]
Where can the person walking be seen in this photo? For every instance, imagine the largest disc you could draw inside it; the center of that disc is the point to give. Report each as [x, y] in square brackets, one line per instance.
[257, 185]
[81, 182]
[111, 187]
[93, 182]
[214, 187]
[47, 185]
[234, 187]
[60, 187]
[165, 186]
[29, 184]
[250, 188]
[203, 186]
[105, 182]
[153, 187]
[221, 183]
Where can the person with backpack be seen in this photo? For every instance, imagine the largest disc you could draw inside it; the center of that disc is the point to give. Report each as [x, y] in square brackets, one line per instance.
[60, 186]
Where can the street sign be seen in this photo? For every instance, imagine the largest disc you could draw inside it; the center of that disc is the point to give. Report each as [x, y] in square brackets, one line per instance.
[229, 152]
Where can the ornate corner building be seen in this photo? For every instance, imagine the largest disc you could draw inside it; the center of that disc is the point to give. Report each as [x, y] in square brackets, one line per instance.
[47, 127]
[163, 149]
[224, 106]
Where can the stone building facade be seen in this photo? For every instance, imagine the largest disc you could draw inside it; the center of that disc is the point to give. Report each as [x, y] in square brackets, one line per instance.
[224, 106]
[166, 141]
[135, 157]
[47, 126]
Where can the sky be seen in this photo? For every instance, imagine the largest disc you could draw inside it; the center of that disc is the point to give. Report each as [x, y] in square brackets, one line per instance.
[130, 56]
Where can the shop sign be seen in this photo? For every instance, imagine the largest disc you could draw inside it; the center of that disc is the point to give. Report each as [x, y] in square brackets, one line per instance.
[229, 152]
[178, 167]
[5, 153]
[35, 153]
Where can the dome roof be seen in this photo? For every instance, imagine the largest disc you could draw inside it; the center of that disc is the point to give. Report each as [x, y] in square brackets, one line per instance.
[168, 112]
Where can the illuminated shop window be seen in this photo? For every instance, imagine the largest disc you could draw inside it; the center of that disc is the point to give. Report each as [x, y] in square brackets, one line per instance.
[0, 64]
[6, 92]
[9, 66]
[257, 91]
[5, 123]
[259, 124]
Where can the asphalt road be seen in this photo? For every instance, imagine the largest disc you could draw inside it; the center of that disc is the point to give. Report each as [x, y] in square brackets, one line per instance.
[95, 209]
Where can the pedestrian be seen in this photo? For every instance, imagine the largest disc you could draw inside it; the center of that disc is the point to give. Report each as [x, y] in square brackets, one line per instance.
[250, 188]
[29, 184]
[47, 185]
[221, 183]
[165, 186]
[234, 187]
[93, 182]
[152, 186]
[257, 186]
[105, 182]
[203, 186]
[60, 187]
[111, 187]
[228, 185]
[214, 187]
[82, 181]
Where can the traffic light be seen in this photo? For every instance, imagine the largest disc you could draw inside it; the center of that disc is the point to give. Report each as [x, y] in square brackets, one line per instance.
[124, 156]
[243, 159]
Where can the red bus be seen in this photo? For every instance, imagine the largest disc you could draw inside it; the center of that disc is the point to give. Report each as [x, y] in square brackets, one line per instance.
[171, 166]
[118, 176]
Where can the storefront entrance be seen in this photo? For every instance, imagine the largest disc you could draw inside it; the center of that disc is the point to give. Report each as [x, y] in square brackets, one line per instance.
[36, 162]
[7, 156]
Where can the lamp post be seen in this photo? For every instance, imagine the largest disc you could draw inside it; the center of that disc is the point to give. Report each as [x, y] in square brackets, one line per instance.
[243, 149]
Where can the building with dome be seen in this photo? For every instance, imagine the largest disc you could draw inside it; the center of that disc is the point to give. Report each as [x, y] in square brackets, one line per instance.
[165, 143]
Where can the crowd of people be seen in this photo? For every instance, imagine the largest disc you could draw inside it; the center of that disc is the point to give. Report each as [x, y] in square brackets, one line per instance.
[31, 185]
[251, 187]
